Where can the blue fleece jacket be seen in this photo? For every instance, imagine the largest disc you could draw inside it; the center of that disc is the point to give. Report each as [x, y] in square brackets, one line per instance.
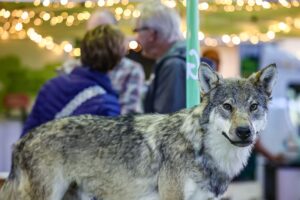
[59, 91]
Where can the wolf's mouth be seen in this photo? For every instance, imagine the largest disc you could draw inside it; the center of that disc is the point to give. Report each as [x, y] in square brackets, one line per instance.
[237, 143]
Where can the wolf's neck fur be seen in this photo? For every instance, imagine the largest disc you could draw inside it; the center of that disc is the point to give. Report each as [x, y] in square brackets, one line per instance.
[229, 158]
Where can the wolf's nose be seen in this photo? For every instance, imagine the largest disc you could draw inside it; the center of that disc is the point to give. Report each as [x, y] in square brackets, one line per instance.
[243, 132]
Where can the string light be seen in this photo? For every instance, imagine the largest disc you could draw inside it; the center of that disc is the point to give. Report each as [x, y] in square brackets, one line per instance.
[46, 3]
[119, 10]
[124, 2]
[18, 26]
[200, 36]
[36, 2]
[63, 2]
[76, 52]
[88, 4]
[5, 35]
[109, 3]
[6, 14]
[236, 40]
[46, 16]
[68, 48]
[136, 13]
[25, 15]
[226, 38]
[133, 44]
[16, 20]
[203, 6]
[127, 13]
[249, 5]
[101, 3]
[37, 22]
[169, 3]
[227, 5]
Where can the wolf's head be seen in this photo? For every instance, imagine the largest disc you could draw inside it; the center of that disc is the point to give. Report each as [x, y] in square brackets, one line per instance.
[236, 108]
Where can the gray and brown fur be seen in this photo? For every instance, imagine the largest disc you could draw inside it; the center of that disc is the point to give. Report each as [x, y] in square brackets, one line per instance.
[191, 154]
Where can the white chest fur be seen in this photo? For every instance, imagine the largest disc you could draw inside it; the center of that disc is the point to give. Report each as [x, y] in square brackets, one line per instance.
[228, 157]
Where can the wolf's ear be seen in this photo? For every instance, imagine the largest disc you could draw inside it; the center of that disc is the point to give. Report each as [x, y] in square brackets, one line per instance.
[208, 78]
[266, 77]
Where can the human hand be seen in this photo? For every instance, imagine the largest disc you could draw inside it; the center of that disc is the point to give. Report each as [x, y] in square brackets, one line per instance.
[278, 159]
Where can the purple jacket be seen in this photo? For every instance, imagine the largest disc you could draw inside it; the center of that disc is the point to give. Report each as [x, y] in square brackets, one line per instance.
[58, 92]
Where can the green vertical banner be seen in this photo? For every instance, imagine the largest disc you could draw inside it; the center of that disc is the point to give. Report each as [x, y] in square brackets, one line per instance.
[192, 57]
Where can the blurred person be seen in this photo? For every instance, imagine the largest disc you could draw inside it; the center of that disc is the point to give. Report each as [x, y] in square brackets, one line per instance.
[128, 76]
[213, 57]
[158, 32]
[87, 89]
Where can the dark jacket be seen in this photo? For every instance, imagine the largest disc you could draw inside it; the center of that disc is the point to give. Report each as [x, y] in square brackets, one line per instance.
[57, 93]
[167, 92]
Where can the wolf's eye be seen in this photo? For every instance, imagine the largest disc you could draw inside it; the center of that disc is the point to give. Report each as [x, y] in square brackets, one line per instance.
[253, 107]
[227, 106]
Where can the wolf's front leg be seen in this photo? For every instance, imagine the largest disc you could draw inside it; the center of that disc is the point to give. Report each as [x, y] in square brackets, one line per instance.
[173, 188]
[170, 191]
[170, 185]
[193, 191]
[174, 184]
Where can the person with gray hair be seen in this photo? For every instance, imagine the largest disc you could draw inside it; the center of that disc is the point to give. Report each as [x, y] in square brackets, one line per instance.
[100, 17]
[158, 32]
[128, 76]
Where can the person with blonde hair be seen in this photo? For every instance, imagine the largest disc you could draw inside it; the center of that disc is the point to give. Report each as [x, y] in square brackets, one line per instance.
[86, 89]
[128, 76]
[158, 32]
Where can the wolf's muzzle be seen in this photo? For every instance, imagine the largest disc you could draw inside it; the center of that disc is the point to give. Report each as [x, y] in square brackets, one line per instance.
[239, 143]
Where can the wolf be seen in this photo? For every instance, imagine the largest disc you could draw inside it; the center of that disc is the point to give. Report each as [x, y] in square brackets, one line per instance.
[188, 155]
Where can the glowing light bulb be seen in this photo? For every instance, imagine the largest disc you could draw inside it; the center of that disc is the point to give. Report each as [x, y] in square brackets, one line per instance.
[19, 26]
[133, 44]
